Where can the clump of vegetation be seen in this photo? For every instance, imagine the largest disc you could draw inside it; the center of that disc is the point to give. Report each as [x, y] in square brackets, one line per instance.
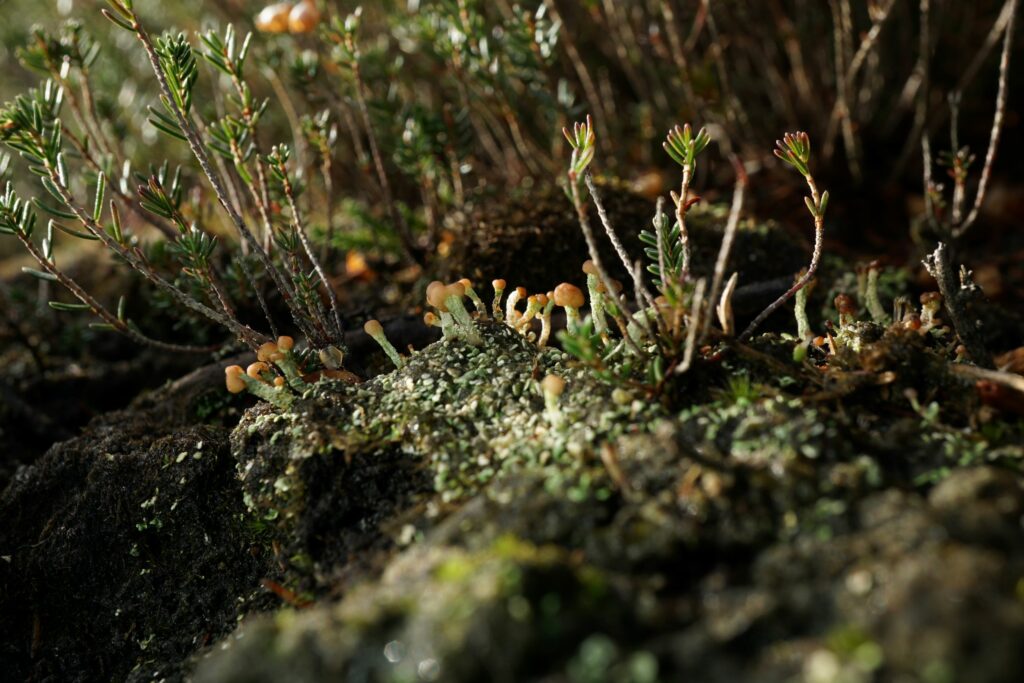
[298, 204]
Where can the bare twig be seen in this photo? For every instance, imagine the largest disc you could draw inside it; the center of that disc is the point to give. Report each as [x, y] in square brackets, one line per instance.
[289, 194]
[401, 226]
[842, 114]
[795, 150]
[728, 237]
[847, 80]
[693, 325]
[589, 89]
[920, 79]
[609, 229]
[1007, 379]
[940, 117]
[997, 124]
[588, 235]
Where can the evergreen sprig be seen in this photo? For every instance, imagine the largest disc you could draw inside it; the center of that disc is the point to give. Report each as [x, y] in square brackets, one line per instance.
[582, 140]
[16, 215]
[663, 247]
[178, 62]
[683, 146]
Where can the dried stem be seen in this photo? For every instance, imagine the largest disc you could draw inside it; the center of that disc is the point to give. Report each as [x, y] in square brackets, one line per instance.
[997, 124]
[97, 309]
[586, 80]
[401, 226]
[289, 194]
[693, 325]
[610, 231]
[729, 236]
[595, 256]
[819, 232]
[682, 205]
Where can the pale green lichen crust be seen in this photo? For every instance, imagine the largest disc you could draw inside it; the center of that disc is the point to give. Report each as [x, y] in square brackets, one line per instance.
[468, 413]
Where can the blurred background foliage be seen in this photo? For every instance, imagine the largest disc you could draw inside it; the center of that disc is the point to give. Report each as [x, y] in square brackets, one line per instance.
[468, 98]
[751, 70]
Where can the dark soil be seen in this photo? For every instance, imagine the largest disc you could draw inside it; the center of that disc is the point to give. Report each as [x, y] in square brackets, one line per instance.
[126, 548]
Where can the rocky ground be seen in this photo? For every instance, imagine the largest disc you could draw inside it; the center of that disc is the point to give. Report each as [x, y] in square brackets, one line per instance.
[853, 518]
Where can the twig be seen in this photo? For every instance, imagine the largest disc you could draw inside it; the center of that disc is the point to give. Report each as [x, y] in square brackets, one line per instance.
[965, 80]
[588, 235]
[841, 112]
[199, 151]
[99, 310]
[1007, 379]
[997, 124]
[301, 231]
[920, 78]
[378, 162]
[724, 251]
[795, 150]
[609, 230]
[692, 325]
[589, 89]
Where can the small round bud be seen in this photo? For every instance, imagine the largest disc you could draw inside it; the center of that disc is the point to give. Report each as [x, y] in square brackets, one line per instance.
[430, 319]
[845, 304]
[621, 396]
[466, 283]
[266, 351]
[274, 18]
[568, 295]
[233, 379]
[436, 294]
[285, 344]
[553, 385]
[589, 268]
[498, 284]
[279, 382]
[373, 328]
[257, 369]
[304, 17]
[931, 298]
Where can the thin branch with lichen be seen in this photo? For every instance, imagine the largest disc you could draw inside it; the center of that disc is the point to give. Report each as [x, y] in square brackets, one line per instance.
[795, 150]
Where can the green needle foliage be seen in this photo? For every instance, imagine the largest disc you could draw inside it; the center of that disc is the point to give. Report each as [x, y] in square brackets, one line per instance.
[401, 120]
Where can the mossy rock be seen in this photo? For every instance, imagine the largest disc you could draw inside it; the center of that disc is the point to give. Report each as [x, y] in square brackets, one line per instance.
[454, 418]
